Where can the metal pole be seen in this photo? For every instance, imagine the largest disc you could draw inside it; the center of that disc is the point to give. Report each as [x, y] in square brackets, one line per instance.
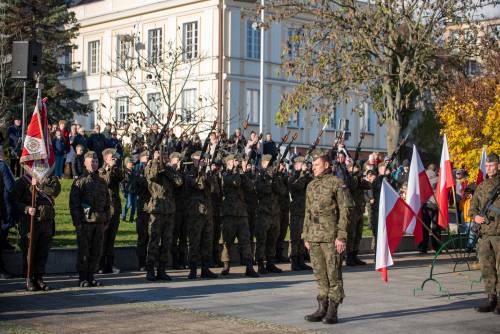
[221, 65]
[23, 126]
[261, 95]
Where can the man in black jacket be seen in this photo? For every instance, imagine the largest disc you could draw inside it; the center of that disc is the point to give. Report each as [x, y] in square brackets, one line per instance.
[77, 164]
[97, 142]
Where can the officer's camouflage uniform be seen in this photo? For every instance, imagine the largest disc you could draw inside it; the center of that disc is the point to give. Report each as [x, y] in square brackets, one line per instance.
[358, 187]
[89, 193]
[142, 222]
[297, 184]
[161, 208]
[251, 201]
[44, 226]
[179, 246]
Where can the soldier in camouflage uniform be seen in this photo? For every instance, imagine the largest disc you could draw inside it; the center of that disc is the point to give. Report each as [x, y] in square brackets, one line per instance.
[179, 246]
[89, 204]
[216, 201]
[161, 208]
[488, 218]
[267, 227]
[46, 192]
[142, 222]
[251, 201]
[297, 183]
[284, 215]
[328, 202]
[112, 173]
[199, 227]
[234, 217]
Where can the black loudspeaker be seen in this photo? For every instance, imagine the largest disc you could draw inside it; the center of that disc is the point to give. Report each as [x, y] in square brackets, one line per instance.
[26, 59]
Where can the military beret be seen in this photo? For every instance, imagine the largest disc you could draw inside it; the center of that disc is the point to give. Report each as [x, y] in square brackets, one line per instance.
[317, 153]
[107, 151]
[144, 154]
[174, 155]
[228, 157]
[492, 157]
[267, 157]
[90, 155]
[196, 155]
[299, 159]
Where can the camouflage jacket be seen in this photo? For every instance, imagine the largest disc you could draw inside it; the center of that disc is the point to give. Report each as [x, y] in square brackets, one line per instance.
[251, 198]
[264, 188]
[113, 177]
[142, 190]
[48, 190]
[161, 183]
[358, 187]
[479, 201]
[297, 183]
[215, 191]
[198, 193]
[233, 199]
[284, 196]
[328, 205]
[89, 199]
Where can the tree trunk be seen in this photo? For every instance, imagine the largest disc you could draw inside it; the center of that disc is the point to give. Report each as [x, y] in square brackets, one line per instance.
[393, 127]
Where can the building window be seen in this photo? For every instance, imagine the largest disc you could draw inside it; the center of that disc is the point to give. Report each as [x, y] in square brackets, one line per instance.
[93, 114]
[65, 67]
[154, 108]
[93, 64]
[190, 40]
[296, 119]
[154, 46]
[252, 105]
[253, 41]
[122, 105]
[123, 52]
[333, 124]
[188, 102]
[293, 42]
[366, 120]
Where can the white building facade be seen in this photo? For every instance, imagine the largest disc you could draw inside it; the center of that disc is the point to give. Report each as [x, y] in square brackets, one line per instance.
[195, 24]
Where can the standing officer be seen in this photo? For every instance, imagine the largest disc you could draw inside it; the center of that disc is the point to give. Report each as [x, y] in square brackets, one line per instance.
[251, 199]
[284, 215]
[89, 205]
[297, 183]
[328, 202]
[161, 208]
[112, 173]
[46, 192]
[234, 218]
[216, 202]
[142, 221]
[485, 211]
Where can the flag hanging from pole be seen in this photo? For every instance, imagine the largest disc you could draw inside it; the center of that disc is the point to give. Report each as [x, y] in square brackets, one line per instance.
[38, 156]
[445, 183]
[418, 192]
[393, 217]
[481, 174]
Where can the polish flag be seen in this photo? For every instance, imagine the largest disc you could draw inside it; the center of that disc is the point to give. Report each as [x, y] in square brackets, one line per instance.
[482, 168]
[445, 183]
[418, 192]
[393, 218]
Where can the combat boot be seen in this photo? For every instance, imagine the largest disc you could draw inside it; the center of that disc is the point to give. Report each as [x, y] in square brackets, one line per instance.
[357, 260]
[40, 284]
[302, 263]
[489, 306]
[320, 312]
[295, 263]
[206, 273]
[192, 271]
[82, 280]
[30, 285]
[349, 261]
[250, 272]
[270, 267]
[161, 274]
[331, 313]
[280, 258]
[261, 268]
[92, 281]
[150, 273]
[225, 269]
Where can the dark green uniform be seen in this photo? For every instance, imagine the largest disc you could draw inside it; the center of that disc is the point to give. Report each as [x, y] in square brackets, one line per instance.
[179, 246]
[358, 187]
[216, 201]
[251, 201]
[297, 184]
[142, 222]
[284, 216]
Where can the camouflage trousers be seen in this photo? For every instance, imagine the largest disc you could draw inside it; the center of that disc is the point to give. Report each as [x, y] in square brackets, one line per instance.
[296, 228]
[200, 233]
[160, 238]
[267, 229]
[327, 267]
[109, 237]
[235, 227]
[179, 246]
[489, 259]
[89, 238]
[355, 231]
[141, 227]
[42, 241]
[284, 218]
[251, 227]
[217, 234]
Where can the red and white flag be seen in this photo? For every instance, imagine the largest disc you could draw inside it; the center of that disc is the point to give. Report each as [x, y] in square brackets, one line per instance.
[393, 217]
[38, 157]
[445, 183]
[418, 192]
[481, 174]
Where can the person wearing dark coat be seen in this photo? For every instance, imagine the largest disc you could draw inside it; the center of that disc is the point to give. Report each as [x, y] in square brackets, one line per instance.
[60, 150]
[97, 143]
[15, 146]
[77, 164]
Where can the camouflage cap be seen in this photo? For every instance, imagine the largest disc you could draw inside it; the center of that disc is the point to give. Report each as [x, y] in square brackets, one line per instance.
[267, 157]
[90, 155]
[196, 155]
[492, 157]
[299, 159]
[174, 155]
[317, 153]
[108, 151]
[229, 157]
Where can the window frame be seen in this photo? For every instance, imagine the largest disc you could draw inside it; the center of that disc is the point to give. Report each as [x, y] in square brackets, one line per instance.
[155, 56]
[118, 113]
[94, 49]
[194, 40]
[253, 36]
[158, 112]
[248, 105]
[188, 113]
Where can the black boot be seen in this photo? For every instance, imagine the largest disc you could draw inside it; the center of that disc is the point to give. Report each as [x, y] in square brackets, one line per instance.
[302, 263]
[110, 268]
[82, 280]
[92, 281]
[242, 262]
[489, 306]
[261, 268]
[357, 260]
[192, 271]
[280, 258]
[270, 267]
[331, 314]
[349, 261]
[295, 263]
[30, 285]
[206, 273]
[182, 260]
[225, 269]
[40, 284]
[250, 272]
[320, 312]
[4, 274]
[150, 273]
[161, 274]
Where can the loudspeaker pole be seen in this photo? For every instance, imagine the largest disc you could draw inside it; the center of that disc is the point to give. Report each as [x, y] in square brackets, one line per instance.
[24, 119]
